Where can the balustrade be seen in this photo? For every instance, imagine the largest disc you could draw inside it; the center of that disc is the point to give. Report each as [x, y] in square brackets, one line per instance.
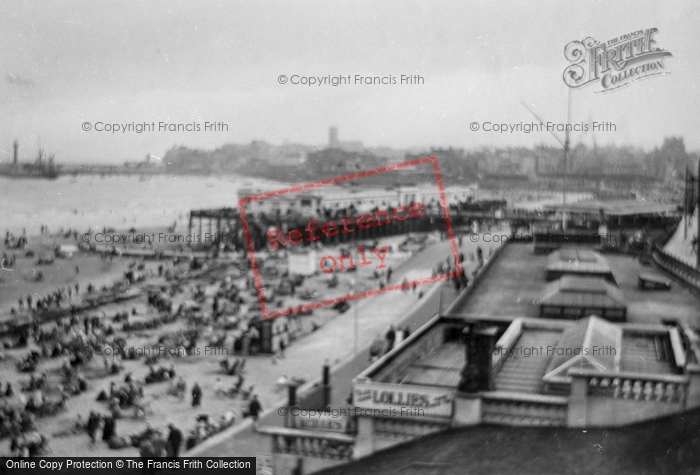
[313, 446]
[676, 267]
[638, 389]
[524, 412]
[405, 430]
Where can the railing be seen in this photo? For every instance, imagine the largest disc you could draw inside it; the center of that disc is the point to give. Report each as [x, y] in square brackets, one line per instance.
[305, 443]
[406, 429]
[395, 369]
[676, 267]
[474, 282]
[524, 410]
[667, 389]
[506, 343]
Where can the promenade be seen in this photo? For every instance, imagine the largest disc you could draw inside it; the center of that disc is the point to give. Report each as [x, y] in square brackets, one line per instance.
[334, 343]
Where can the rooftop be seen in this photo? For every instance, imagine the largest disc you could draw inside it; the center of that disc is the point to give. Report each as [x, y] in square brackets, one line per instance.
[535, 354]
[515, 282]
[588, 292]
[616, 207]
[577, 261]
[578, 348]
[665, 446]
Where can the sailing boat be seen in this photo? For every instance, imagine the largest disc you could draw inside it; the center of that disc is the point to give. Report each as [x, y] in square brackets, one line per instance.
[43, 168]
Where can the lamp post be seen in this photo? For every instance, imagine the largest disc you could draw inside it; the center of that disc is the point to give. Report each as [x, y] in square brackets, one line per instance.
[356, 330]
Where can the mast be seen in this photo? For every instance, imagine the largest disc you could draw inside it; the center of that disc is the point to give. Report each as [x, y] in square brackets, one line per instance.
[697, 235]
[566, 152]
[686, 207]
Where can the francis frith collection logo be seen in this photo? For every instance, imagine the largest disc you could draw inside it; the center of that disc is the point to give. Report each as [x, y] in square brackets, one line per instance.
[616, 62]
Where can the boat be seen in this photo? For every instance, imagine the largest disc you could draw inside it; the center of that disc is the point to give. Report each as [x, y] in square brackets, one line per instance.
[42, 168]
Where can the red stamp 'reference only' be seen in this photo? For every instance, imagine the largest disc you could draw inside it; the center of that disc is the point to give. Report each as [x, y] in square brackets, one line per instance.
[328, 264]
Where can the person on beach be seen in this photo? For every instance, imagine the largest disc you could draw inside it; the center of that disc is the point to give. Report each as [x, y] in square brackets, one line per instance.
[92, 424]
[174, 441]
[146, 449]
[255, 408]
[196, 395]
[181, 388]
[245, 344]
[110, 429]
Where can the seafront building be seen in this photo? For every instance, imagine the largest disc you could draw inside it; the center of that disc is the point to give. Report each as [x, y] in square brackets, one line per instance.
[609, 353]
[333, 198]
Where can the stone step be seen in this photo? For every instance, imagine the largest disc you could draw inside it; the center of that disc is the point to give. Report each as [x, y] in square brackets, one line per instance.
[518, 377]
[508, 366]
[518, 387]
[511, 371]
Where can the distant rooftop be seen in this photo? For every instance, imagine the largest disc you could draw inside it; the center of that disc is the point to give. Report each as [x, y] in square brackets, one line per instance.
[616, 207]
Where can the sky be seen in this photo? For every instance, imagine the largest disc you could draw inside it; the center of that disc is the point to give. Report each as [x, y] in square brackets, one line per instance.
[188, 62]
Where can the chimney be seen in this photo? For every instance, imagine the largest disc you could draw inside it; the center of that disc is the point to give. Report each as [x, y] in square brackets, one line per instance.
[15, 156]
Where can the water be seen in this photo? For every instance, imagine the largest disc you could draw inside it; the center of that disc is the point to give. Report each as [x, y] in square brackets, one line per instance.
[116, 201]
[123, 202]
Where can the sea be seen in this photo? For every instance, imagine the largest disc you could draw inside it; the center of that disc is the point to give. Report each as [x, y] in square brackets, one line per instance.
[92, 202]
[87, 202]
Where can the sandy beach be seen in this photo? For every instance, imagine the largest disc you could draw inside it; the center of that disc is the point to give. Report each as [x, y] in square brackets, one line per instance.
[262, 371]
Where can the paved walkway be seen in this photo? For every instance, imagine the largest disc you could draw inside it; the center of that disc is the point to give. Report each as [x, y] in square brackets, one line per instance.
[334, 342]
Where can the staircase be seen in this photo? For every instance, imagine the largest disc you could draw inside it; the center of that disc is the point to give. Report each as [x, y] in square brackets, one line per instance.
[523, 374]
[644, 354]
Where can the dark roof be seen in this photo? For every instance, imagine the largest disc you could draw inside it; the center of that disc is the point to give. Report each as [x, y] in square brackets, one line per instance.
[578, 261]
[665, 446]
[583, 292]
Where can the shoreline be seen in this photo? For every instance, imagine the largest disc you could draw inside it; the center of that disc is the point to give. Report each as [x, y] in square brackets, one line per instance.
[262, 372]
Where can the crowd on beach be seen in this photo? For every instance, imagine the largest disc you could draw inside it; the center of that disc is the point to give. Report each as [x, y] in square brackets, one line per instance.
[56, 327]
[209, 310]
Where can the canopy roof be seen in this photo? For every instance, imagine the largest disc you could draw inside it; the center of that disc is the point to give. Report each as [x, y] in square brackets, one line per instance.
[578, 261]
[583, 292]
[590, 343]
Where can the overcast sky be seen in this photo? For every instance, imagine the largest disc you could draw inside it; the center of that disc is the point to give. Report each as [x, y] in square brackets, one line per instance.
[67, 62]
